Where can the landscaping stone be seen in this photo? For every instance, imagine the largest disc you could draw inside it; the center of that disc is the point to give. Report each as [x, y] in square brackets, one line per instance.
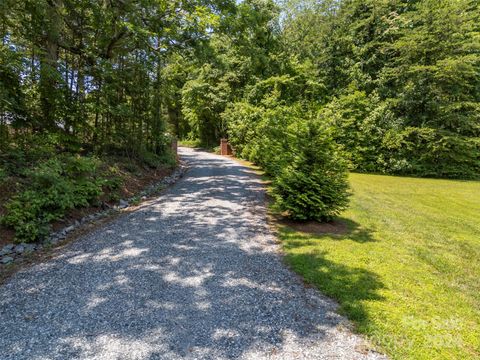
[6, 260]
[19, 249]
[5, 252]
[8, 247]
[30, 247]
[54, 238]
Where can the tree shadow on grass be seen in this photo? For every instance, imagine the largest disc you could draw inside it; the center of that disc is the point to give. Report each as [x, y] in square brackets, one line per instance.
[355, 231]
[339, 229]
[350, 286]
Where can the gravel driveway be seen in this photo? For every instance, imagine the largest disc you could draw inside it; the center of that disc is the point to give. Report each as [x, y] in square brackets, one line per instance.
[193, 274]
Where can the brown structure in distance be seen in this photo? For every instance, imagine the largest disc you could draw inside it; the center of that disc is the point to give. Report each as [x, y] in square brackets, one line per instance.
[225, 148]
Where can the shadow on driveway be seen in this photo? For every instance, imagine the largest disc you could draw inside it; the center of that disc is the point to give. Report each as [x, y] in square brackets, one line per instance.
[192, 274]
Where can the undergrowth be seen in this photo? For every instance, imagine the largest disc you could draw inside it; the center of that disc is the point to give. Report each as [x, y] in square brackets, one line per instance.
[49, 183]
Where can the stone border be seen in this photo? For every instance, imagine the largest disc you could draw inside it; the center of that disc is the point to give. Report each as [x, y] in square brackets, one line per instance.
[13, 252]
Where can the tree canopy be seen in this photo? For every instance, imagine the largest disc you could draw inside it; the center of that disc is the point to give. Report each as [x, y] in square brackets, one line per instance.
[389, 86]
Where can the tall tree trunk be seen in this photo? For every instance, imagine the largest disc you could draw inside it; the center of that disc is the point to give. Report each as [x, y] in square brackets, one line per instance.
[48, 64]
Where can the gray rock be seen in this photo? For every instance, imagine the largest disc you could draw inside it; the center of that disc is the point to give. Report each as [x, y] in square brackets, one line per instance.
[55, 240]
[7, 260]
[30, 247]
[4, 252]
[19, 249]
[123, 204]
[8, 247]
[69, 229]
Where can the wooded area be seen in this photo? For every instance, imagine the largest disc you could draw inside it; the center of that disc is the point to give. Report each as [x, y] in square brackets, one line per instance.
[305, 88]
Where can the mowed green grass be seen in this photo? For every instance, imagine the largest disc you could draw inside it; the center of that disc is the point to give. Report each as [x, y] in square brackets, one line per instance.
[407, 272]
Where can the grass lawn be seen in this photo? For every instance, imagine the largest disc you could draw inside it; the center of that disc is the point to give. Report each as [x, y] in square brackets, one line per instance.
[407, 271]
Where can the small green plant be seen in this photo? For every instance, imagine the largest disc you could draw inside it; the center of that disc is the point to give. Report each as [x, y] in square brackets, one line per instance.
[112, 181]
[54, 187]
[131, 167]
[135, 200]
[154, 161]
[114, 197]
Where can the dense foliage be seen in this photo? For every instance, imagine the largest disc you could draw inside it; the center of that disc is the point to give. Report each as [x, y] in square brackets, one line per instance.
[391, 86]
[395, 83]
[402, 80]
[83, 80]
[313, 185]
[398, 81]
[307, 167]
[55, 186]
[93, 71]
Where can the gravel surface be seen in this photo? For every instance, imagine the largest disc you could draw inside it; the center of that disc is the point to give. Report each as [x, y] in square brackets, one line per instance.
[192, 274]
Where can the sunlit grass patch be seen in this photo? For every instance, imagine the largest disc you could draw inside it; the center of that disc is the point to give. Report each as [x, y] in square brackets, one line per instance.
[407, 270]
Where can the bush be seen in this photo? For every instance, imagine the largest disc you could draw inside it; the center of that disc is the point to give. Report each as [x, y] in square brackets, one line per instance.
[359, 122]
[314, 185]
[28, 151]
[242, 119]
[259, 134]
[54, 187]
[308, 171]
[154, 161]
